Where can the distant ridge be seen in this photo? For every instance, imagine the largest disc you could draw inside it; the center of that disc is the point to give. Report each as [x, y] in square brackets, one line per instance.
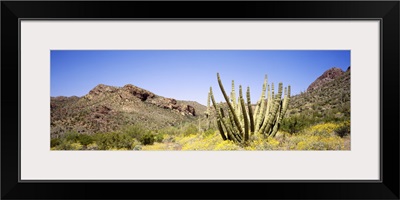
[108, 108]
[328, 95]
[328, 76]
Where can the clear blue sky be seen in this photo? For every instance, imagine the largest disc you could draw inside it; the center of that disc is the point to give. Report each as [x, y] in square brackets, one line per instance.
[188, 74]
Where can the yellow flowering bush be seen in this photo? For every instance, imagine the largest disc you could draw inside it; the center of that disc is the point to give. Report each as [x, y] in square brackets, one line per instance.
[159, 146]
[76, 146]
[320, 143]
[226, 145]
[259, 144]
[201, 142]
[325, 129]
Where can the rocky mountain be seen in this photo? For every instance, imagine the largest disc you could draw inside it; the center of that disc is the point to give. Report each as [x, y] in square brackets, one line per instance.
[107, 108]
[328, 76]
[327, 98]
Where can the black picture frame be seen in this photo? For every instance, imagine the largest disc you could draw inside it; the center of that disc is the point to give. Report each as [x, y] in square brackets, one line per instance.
[386, 11]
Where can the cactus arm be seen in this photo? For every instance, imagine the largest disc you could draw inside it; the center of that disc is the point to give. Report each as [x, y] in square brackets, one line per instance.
[239, 113]
[284, 106]
[208, 104]
[285, 103]
[232, 123]
[250, 110]
[277, 124]
[221, 130]
[228, 127]
[272, 90]
[256, 110]
[233, 132]
[246, 120]
[219, 115]
[271, 119]
[270, 103]
[213, 100]
[233, 94]
[229, 131]
[272, 115]
[260, 111]
[261, 114]
[236, 120]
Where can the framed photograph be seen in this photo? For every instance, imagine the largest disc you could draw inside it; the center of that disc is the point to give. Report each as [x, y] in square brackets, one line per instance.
[191, 99]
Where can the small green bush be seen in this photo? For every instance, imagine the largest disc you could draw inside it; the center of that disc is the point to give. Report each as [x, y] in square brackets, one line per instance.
[55, 142]
[72, 136]
[147, 139]
[113, 140]
[85, 139]
[343, 130]
[159, 137]
[209, 132]
[293, 124]
[134, 131]
[64, 145]
[190, 129]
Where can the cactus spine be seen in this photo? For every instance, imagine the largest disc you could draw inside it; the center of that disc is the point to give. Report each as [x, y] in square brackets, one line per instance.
[240, 122]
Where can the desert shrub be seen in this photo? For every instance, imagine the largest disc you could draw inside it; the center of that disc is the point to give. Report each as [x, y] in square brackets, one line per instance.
[71, 136]
[85, 139]
[55, 142]
[293, 124]
[343, 129]
[209, 132]
[260, 144]
[189, 130]
[320, 143]
[113, 140]
[157, 146]
[169, 131]
[76, 137]
[158, 137]
[92, 146]
[76, 146]
[291, 142]
[147, 139]
[134, 131]
[68, 141]
[168, 138]
[226, 145]
[137, 147]
[64, 145]
[325, 129]
[195, 142]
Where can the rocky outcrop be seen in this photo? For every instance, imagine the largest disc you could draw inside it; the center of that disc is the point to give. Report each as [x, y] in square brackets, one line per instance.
[326, 77]
[138, 92]
[172, 104]
[107, 108]
[99, 90]
[187, 110]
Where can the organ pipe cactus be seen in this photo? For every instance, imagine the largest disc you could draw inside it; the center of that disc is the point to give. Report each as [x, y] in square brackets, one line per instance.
[238, 122]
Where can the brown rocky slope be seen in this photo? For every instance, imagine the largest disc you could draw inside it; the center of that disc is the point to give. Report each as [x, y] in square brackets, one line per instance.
[326, 77]
[108, 108]
[330, 94]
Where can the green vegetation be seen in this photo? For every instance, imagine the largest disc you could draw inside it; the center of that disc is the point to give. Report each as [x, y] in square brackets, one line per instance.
[129, 138]
[241, 123]
[323, 136]
[314, 120]
[343, 130]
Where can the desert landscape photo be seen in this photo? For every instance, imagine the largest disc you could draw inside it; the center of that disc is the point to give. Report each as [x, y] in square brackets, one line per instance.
[207, 100]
